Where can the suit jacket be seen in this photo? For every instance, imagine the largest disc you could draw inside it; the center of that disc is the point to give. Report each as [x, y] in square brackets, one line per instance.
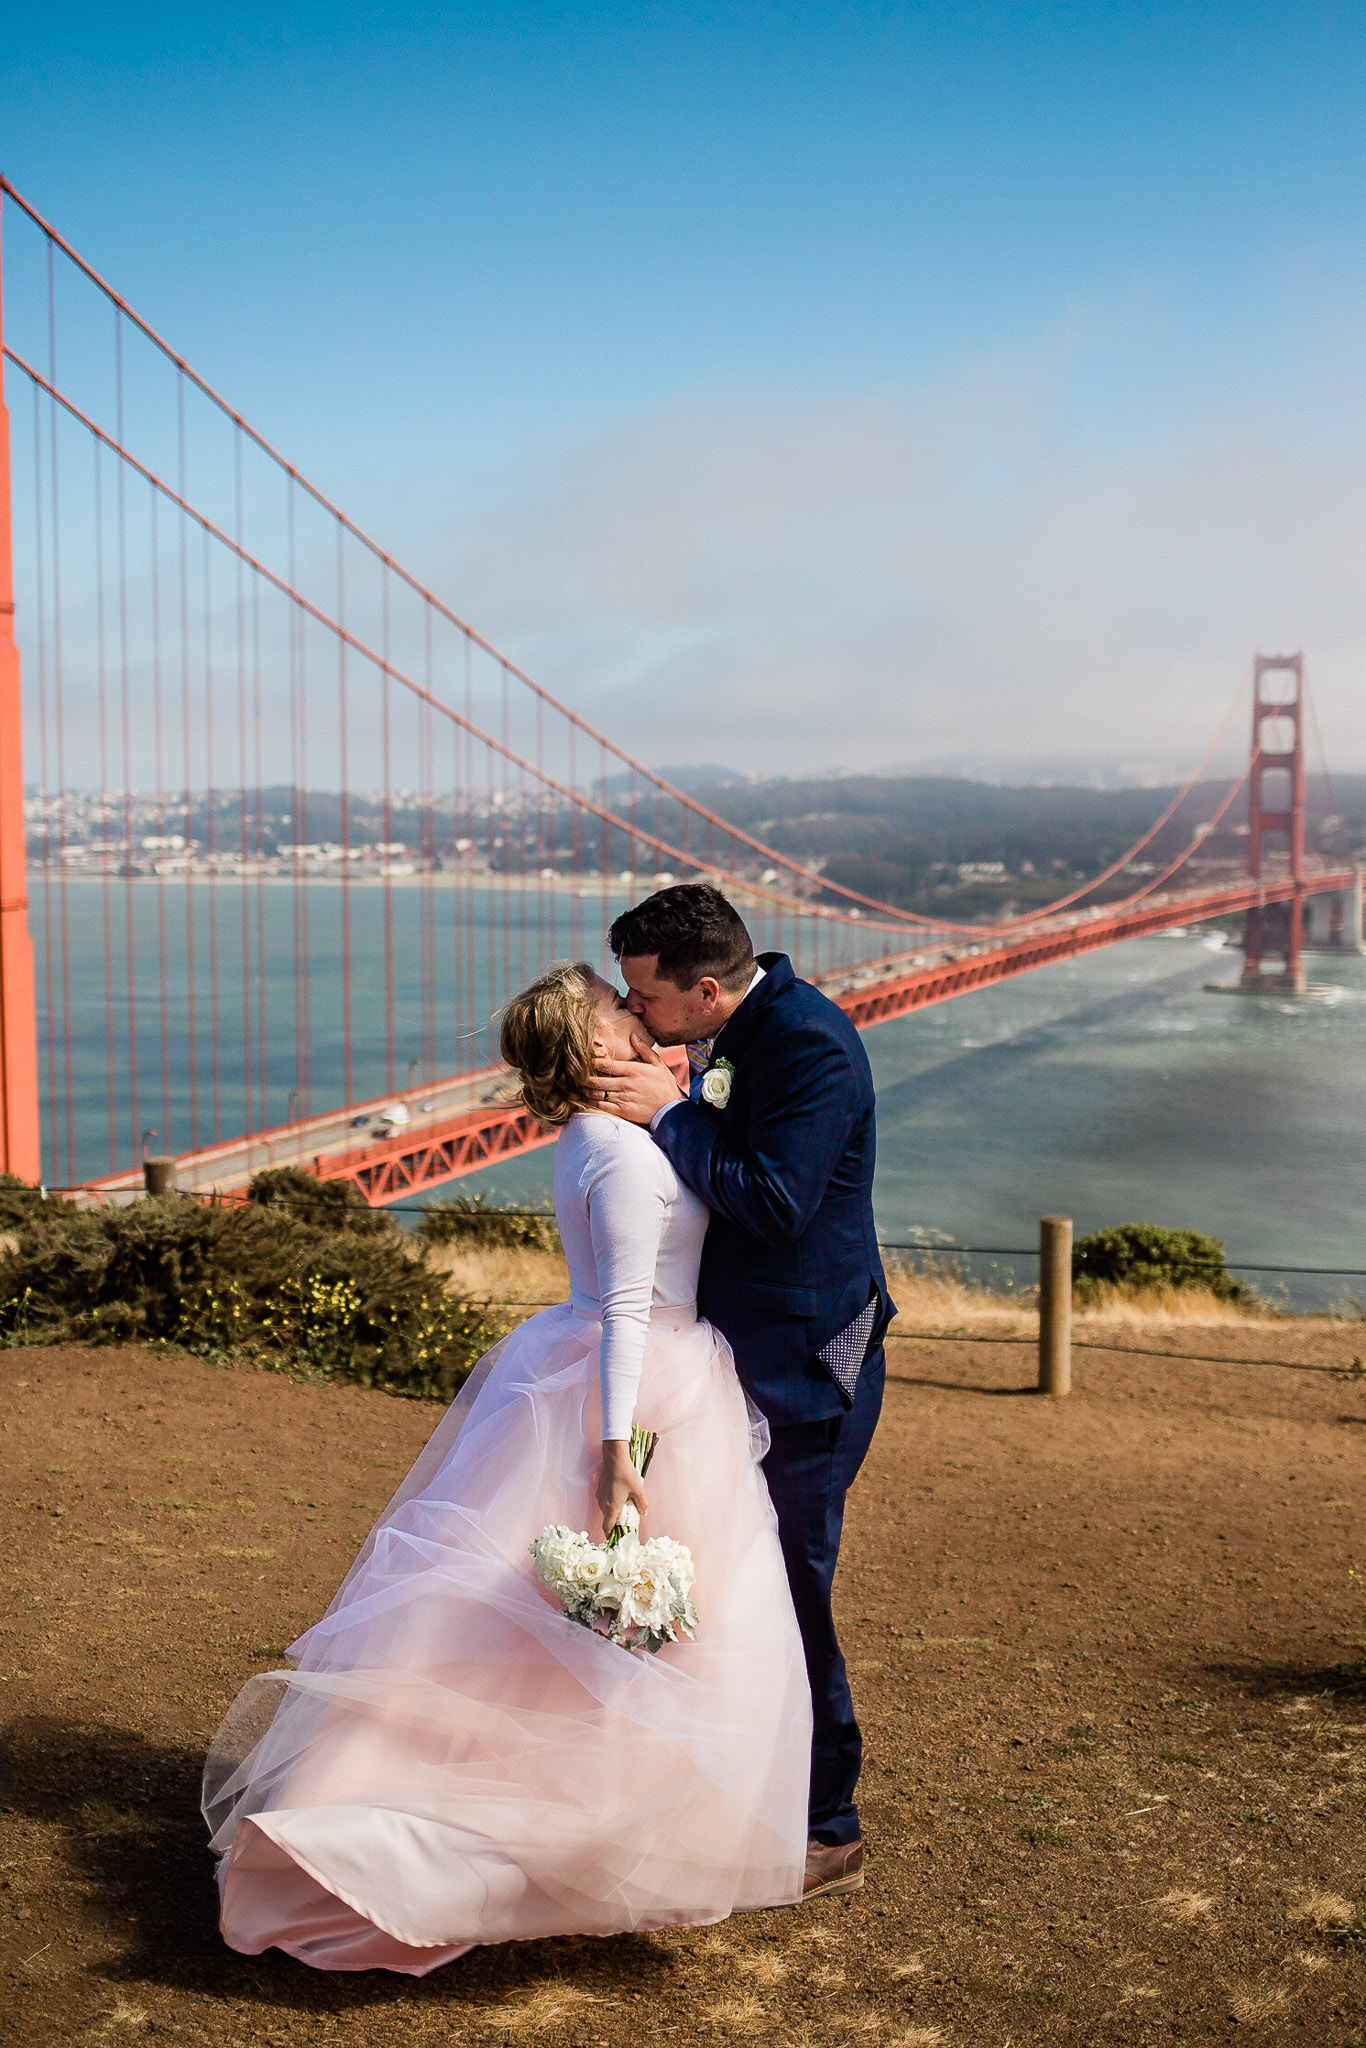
[786, 1168]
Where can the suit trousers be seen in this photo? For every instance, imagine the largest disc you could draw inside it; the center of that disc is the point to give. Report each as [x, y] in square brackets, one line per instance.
[810, 1468]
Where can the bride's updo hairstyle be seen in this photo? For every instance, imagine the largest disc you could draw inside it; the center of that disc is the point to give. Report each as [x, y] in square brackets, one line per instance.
[547, 1039]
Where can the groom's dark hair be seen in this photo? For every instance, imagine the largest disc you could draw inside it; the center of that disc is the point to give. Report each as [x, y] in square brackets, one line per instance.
[693, 931]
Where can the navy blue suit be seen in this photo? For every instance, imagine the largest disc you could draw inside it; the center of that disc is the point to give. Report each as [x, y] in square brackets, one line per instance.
[790, 1260]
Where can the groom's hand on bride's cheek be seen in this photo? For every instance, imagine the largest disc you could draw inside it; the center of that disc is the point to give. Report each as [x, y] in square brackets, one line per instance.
[637, 1089]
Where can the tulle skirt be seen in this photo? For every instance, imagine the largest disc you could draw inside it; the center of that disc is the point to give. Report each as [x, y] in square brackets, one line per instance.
[453, 1761]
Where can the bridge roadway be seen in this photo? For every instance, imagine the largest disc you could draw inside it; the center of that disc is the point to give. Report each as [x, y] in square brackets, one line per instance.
[472, 1120]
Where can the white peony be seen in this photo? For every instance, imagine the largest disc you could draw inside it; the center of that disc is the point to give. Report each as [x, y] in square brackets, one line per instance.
[676, 1559]
[716, 1087]
[648, 1599]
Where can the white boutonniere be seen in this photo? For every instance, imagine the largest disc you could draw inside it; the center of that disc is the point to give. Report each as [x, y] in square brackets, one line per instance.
[716, 1084]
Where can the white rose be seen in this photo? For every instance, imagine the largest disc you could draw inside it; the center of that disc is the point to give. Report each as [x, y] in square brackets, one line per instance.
[585, 1566]
[716, 1087]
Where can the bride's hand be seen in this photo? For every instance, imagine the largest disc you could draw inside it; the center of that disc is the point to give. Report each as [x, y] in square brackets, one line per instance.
[618, 1482]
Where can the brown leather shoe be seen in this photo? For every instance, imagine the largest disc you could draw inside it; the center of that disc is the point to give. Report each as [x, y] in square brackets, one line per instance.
[832, 1869]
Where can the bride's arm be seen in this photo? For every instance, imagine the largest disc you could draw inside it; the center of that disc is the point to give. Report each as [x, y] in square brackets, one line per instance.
[626, 1207]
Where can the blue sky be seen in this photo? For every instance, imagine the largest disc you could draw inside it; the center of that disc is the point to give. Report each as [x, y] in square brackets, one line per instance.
[995, 369]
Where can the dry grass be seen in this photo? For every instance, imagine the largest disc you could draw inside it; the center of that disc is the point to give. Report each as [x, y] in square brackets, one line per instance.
[1251, 2005]
[764, 1968]
[502, 1273]
[1183, 1908]
[941, 1300]
[1323, 1910]
[738, 2015]
[545, 2008]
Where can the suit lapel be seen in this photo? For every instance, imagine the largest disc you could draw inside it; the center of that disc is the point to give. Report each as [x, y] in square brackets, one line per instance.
[734, 1038]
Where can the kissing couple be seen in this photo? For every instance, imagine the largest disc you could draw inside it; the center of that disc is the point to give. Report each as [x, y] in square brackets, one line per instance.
[453, 1759]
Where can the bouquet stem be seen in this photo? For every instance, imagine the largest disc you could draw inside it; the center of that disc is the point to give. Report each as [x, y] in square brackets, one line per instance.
[642, 1448]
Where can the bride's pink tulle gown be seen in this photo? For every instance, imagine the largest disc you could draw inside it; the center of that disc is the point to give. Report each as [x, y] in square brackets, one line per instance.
[452, 1761]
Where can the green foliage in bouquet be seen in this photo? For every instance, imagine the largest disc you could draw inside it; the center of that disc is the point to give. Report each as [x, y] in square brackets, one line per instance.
[1145, 1255]
[469, 1220]
[292, 1279]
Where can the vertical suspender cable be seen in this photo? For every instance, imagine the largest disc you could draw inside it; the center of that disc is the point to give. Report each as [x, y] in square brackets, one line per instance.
[126, 723]
[211, 843]
[303, 1003]
[469, 1049]
[426, 792]
[344, 823]
[490, 813]
[295, 1094]
[633, 846]
[606, 839]
[187, 793]
[258, 778]
[575, 849]
[49, 950]
[505, 850]
[159, 862]
[457, 908]
[59, 702]
[106, 905]
[540, 838]
[386, 858]
[522, 905]
[243, 849]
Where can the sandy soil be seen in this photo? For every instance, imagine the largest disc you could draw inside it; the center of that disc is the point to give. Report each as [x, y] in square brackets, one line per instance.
[1103, 1649]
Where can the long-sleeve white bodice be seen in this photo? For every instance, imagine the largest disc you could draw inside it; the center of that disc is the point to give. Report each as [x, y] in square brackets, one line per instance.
[632, 1234]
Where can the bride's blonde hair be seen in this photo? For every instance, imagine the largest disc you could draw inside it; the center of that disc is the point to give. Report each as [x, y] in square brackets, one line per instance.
[547, 1039]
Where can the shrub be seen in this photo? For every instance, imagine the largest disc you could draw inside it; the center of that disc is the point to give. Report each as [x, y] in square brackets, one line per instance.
[1146, 1255]
[19, 1200]
[299, 1284]
[333, 1203]
[469, 1220]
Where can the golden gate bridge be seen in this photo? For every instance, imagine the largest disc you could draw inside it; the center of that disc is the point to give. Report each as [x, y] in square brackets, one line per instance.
[198, 949]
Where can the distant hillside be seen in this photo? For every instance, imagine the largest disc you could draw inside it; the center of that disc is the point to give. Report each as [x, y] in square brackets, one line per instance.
[908, 839]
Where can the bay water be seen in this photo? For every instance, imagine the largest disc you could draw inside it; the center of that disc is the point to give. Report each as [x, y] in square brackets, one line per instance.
[1113, 1088]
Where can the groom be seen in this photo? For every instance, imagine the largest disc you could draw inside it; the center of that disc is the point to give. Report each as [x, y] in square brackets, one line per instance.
[775, 1134]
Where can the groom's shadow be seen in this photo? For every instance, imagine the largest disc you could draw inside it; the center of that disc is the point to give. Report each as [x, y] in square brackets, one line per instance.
[127, 1812]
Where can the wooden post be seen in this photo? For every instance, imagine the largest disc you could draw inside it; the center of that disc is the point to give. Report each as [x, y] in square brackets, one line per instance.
[158, 1176]
[1055, 1305]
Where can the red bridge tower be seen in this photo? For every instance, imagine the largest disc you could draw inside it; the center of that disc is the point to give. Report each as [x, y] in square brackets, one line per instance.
[19, 1140]
[1275, 933]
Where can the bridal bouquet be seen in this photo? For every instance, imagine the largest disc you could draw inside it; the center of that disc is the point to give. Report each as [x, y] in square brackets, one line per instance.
[636, 1594]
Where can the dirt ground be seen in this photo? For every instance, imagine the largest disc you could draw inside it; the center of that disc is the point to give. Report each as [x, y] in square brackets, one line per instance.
[1108, 1654]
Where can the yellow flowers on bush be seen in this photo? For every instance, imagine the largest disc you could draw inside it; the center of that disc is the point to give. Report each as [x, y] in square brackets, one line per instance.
[302, 1277]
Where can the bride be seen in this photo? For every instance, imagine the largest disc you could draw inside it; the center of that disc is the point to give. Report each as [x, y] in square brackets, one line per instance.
[452, 1760]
